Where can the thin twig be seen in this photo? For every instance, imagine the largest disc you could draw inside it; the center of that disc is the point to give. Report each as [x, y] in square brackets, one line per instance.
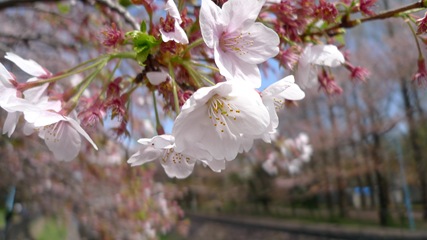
[120, 10]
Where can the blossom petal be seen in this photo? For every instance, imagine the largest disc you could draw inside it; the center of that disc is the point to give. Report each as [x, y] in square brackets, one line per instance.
[10, 123]
[36, 93]
[5, 77]
[178, 35]
[285, 88]
[326, 55]
[233, 68]
[172, 9]
[159, 142]
[209, 15]
[155, 78]
[29, 66]
[62, 140]
[145, 154]
[259, 43]
[178, 165]
[236, 12]
[215, 165]
[80, 130]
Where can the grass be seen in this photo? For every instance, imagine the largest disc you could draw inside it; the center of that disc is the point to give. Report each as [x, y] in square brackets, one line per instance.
[49, 229]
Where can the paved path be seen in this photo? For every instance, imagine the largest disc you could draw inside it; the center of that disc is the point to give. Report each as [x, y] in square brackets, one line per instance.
[222, 227]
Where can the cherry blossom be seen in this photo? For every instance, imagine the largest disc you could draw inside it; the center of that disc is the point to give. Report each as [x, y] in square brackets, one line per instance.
[239, 43]
[317, 55]
[170, 28]
[274, 97]
[12, 98]
[162, 148]
[215, 121]
[269, 164]
[60, 133]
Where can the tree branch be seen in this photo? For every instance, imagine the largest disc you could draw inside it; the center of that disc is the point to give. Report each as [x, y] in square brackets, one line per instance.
[114, 6]
[347, 23]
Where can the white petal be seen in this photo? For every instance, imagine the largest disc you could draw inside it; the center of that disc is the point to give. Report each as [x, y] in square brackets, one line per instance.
[215, 165]
[28, 129]
[306, 75]
[144, 155]
[178, 35]
[326, 55]
[173, 10]
[177, 165]
[42, 118]
[258, 43]
[28, 66]
[10, 123]
[155, 78]
[159, 142]
[63, 140]
[5, 77]
[233, 68]
[210, 27]
[80, 130]
[36, 93]
[236, 12]
[285, 88]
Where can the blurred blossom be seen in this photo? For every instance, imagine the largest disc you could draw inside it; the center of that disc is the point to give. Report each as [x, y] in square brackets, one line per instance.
[357, 73]
[420, 77]
[366, 5]
[112, 36]
[269, 166]
[326, 11]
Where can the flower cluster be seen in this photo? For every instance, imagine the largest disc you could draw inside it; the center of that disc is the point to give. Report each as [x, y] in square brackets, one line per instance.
[293, 154]
[58, 128]
[218, 122]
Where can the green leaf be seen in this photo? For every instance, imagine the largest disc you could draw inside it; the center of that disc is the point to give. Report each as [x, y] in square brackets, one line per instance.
[143, 44]
[143, 26]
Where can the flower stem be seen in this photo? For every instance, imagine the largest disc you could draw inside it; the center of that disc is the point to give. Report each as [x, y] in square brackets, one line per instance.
[73, 101]
[420, 54]
[192, 45]
[156, 112]
[205, 66]
[174, 89]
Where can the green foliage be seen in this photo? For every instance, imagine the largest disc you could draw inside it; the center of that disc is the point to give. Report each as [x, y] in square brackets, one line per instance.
[125, 3]
[143, 43]
[63, 8]
[2, 216]
[51, 230]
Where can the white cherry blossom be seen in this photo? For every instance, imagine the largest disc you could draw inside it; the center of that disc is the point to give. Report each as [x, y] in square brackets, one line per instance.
[11, 99]
[60, 133]
[313, 56]
[215, 121]
[162, 148]
[274, 97]
[239, 43]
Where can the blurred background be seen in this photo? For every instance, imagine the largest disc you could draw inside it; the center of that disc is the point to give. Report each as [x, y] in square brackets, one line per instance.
[365, 167]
